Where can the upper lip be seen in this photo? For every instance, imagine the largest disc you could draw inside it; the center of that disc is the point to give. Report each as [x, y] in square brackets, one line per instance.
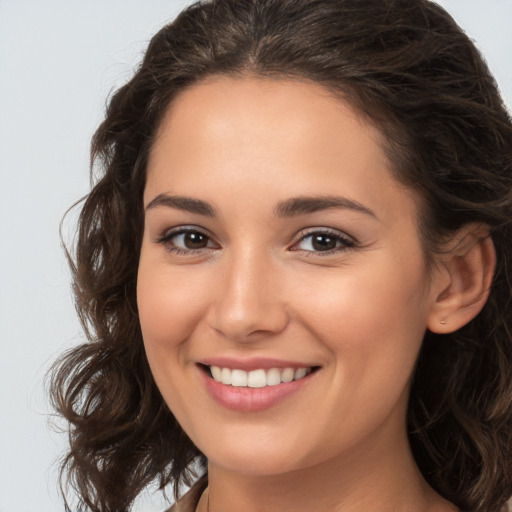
[254, 363]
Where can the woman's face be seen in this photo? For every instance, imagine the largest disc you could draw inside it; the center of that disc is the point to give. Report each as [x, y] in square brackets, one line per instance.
[278, 245]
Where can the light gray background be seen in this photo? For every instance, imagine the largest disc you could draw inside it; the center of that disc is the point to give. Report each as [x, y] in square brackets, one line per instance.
[58, 61]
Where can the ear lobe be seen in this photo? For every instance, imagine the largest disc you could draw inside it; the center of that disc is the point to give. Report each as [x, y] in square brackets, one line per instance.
[468, 268]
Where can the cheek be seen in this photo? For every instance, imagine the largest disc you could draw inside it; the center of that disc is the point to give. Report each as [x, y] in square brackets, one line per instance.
[374, 314]
[373, 324]
[170, 307]
[170, 304]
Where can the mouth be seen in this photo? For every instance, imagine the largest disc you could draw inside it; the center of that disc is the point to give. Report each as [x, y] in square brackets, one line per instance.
[256, 384]
[258, 378]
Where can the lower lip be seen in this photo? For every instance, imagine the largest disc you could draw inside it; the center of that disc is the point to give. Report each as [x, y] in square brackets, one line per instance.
[252, 399]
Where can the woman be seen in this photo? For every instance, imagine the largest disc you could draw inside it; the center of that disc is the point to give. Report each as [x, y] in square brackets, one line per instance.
[294, 268]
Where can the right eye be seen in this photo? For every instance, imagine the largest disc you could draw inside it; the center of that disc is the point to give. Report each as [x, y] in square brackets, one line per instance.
[186, 240]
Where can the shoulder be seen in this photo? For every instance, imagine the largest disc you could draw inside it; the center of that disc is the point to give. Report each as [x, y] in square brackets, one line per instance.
[189, 501]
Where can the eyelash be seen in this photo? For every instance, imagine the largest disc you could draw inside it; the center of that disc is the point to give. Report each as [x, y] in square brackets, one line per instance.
[166, 240]
[345, 243]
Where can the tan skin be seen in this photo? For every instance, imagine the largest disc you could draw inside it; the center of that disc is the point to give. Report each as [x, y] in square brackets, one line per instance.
[342, 288]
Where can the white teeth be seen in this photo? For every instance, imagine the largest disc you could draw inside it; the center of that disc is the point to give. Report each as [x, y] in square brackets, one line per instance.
[299, 373]
[257, 378]
[287, 375]
[238, 378]
[216, 373]
[225, 376]
[273, 377]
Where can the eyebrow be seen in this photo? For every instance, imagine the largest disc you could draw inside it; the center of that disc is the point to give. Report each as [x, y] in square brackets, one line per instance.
[289, 208]
[186, 204]
[305, 205]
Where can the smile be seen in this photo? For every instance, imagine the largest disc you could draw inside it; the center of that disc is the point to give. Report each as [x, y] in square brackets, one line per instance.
[258, 387]
[259, 378]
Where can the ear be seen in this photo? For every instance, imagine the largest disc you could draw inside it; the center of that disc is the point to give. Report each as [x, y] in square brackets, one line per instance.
[463, 279]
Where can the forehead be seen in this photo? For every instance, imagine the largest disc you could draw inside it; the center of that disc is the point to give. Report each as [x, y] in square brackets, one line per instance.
[267, 134]
[261, 108]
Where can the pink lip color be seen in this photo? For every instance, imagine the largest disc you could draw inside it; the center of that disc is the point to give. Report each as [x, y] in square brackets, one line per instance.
[251, 399]
[254, 363]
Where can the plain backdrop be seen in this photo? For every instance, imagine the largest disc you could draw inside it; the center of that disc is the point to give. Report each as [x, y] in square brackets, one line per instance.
[59, 59]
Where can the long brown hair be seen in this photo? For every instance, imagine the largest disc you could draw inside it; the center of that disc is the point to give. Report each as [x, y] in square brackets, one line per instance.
[410, 69]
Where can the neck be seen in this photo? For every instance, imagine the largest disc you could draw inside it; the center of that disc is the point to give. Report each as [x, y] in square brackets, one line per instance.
[369, 478]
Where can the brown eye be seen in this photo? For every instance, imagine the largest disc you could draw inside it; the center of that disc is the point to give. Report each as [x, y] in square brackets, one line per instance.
[186, 240]
[323, 241]
[194, 240]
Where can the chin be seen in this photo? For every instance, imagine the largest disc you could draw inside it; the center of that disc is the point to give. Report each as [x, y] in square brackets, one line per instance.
[264, 458]
[255, 466]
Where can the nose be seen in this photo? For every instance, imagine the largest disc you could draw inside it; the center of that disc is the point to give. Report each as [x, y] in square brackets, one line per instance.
[248, 304]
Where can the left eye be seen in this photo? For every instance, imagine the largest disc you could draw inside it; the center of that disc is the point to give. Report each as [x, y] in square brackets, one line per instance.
[190, 240]
[186, 240]
[320, 241]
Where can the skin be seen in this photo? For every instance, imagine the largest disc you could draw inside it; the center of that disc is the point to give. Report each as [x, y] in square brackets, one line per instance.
[259, 288]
